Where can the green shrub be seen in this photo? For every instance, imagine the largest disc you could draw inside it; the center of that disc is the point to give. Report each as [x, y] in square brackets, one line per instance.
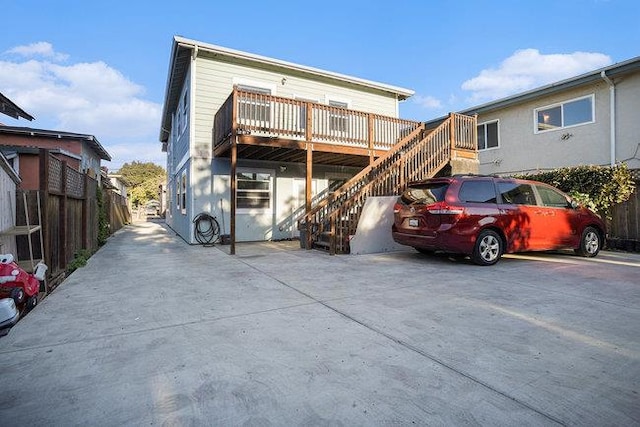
[596, 187]
[79, 260]
[103, 222]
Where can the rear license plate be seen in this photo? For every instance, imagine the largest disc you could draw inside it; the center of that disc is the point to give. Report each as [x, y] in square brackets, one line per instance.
[413, 222]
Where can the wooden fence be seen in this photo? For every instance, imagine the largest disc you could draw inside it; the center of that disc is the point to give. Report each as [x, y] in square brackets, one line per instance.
[624, 227]
[68, 214]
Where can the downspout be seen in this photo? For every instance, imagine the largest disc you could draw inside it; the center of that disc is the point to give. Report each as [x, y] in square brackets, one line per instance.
[612, 115]
[192, 136]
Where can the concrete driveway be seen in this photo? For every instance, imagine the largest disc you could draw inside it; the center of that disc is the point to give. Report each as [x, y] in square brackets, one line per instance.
[156, 332]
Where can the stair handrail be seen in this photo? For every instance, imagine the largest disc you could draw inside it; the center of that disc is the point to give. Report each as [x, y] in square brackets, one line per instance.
[450, 134]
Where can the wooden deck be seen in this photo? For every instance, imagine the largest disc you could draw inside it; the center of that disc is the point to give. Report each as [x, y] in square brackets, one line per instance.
[266, 127]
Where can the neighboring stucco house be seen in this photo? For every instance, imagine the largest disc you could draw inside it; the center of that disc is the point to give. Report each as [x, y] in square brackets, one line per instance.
[21, 146]
[591, 119]
[288, 133]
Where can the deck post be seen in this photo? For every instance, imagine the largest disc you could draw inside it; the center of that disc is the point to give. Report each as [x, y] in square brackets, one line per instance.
[233, 175]
[452, 133]
[307, 193]
[233, 192]
[370, 138]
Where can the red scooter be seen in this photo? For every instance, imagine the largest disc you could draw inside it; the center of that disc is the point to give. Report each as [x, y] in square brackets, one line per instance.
[16, 283]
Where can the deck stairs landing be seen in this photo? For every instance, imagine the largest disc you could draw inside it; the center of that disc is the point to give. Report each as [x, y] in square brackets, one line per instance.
[419, 155]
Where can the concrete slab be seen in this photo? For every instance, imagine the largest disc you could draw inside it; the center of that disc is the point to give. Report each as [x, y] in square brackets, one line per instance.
[154, 331]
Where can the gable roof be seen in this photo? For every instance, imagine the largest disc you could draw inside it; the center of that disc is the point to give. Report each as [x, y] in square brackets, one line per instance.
[9, 108]
[179, 64]
[91, 140]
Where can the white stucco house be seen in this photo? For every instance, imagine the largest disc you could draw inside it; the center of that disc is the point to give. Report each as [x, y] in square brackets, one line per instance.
[590, 119]
[286, 132]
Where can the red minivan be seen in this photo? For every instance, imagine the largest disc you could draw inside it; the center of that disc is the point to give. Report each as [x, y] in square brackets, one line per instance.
[486, 216]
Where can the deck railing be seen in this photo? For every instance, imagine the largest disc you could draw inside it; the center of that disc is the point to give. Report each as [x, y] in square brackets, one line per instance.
[271, 116]
[417, 156]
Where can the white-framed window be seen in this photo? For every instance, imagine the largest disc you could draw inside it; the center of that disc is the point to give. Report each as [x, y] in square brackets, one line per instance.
[254, 109]
[574, 112]
[488, 135]
[178, 194]
[185, 109]
[183, 186]
[254, 189]
[302, 116]
[338, 121]
[176, 124]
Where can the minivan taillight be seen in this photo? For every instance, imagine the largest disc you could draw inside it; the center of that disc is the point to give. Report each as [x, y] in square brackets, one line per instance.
[442, 208]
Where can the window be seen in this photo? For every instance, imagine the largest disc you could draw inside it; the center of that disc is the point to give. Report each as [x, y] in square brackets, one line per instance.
[254, 190]
[178, 194]
[477, 192]
[254, 107]
[552, 198]
[184, 112]
[302, 117]
[516, 194]
[184, 193]
[571, 113]
[338, 121]
[488, 135]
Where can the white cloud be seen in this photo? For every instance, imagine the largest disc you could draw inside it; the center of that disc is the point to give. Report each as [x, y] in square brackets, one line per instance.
[527, 69]
[91, 98]
[42, 49]
[428, 102]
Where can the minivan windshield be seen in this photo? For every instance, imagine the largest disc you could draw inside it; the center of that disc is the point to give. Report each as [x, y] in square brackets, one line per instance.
[425, 193]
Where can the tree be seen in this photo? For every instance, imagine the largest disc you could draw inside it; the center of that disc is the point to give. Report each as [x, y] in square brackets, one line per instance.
[143, 180]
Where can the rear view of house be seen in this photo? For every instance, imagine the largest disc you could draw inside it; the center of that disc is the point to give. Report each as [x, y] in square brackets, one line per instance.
[258, 142]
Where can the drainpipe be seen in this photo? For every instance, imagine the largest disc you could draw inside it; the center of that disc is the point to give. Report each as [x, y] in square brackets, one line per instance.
[612, 115]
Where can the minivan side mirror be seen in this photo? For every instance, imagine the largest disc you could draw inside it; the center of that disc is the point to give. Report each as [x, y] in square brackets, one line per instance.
[574, 204]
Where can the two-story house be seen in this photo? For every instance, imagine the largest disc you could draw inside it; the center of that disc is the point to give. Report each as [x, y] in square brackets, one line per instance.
[257, 142]
[275, 105]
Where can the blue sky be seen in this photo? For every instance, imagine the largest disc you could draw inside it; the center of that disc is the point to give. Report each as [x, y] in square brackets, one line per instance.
[100, 67]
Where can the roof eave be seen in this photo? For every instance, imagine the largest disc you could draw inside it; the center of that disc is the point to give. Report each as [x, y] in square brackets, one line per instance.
[581, 80]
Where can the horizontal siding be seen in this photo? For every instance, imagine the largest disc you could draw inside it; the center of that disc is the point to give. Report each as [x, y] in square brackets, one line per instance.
[215, 81]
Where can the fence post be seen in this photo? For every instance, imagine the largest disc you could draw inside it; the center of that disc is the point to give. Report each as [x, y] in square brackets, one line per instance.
[63, 218]
[44, 208]
[85, 214]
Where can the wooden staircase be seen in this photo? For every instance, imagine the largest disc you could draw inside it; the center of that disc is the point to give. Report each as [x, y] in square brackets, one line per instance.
[420, 155]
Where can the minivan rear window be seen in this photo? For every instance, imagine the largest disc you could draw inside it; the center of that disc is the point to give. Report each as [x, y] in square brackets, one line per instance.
[425, 193]
[477, 192]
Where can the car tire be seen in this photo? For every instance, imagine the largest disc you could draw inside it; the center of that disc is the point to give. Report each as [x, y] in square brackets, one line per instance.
[18, 295]
[590, 243]
[32, 302]
[488, 248]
